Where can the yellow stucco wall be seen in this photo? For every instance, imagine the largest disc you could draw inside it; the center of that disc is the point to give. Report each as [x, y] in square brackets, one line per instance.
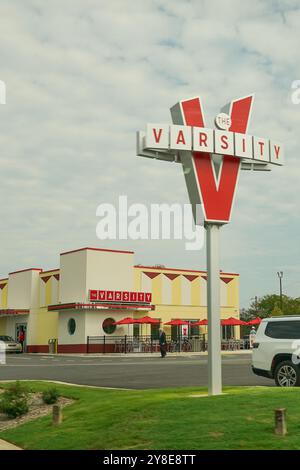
[44, 323]
[2, 326]
[4, 292]
[45, 326]
[196, 310]
[197, 300]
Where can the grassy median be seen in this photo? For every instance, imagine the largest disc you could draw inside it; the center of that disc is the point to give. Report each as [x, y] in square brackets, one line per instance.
[242, 418]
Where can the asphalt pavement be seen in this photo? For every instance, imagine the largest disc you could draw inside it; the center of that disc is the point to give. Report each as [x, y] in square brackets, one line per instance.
[130, 372]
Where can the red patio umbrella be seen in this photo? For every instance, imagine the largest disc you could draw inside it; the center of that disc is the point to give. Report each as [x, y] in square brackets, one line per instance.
[125, 321]
[201, 323]
[256, 321]
[233, 322]
[176, 322]
[147, 320]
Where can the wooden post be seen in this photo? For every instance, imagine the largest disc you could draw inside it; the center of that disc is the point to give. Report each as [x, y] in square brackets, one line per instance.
[280, 422]
[56, 415]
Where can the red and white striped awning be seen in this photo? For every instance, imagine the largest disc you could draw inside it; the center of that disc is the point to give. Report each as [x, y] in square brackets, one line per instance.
[99, 306]
[11, 311]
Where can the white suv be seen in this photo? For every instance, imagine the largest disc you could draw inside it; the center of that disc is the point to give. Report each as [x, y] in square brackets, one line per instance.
[276, 350]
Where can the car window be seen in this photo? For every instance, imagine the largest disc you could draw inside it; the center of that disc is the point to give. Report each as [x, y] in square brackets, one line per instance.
[6, 338]
[283, 329]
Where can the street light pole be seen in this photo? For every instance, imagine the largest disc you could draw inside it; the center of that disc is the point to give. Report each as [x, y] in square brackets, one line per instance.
[280, 276]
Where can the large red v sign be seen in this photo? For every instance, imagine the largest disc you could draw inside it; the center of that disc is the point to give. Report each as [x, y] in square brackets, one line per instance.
[211, 161]
[215, 192]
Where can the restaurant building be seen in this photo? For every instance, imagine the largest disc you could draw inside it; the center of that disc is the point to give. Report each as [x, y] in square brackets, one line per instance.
[93, 288]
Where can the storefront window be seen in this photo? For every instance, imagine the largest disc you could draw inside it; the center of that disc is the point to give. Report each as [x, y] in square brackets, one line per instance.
[71, 326]
[108, 326]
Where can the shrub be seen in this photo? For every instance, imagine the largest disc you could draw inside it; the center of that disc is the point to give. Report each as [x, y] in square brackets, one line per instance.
[14, 407]
[14, 400]
[16, 390]
[50, 396]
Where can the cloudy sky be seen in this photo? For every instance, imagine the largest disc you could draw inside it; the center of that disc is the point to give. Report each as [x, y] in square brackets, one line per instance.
[83, 75]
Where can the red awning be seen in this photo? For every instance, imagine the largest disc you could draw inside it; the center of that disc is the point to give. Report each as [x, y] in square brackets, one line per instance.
[79, 306]
[177, 322]
[12, 311]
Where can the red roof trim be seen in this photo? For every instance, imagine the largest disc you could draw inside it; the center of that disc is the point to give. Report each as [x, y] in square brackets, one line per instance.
[96, 249]
[226, 279]
[171, 276]
[190, 277]
[50, 271]
[181, 270]
[151, 275]
[24, 270]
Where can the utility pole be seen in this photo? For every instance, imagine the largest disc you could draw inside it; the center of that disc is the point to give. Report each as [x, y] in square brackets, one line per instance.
[256, 305]
[280, 276]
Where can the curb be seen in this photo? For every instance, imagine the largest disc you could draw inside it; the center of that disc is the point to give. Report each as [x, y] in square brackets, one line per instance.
[131, 355]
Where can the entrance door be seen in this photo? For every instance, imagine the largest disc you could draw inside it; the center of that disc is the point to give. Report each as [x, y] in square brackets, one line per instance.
[23, 327]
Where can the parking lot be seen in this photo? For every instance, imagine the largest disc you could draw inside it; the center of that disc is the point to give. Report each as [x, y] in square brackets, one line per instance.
[129, 371]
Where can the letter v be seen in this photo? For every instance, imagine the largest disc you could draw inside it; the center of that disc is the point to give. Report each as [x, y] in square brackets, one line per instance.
[216, 196]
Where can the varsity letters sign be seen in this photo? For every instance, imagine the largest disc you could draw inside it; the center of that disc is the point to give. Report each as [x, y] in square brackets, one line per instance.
[119, 296]
[211, 158]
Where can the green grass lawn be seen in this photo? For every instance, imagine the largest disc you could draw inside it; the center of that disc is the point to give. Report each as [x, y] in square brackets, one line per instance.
[242, 418]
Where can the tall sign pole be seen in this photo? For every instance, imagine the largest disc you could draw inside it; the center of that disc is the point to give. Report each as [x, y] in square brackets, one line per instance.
[211, 160]
[213, 309]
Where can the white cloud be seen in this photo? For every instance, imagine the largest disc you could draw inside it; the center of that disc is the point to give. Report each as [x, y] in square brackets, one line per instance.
[83, 75]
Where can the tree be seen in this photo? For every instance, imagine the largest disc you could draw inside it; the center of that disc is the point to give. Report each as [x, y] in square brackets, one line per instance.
[276, 312]
[268, 305]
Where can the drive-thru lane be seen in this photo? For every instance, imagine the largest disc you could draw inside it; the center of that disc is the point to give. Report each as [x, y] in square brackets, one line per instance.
[129, 371]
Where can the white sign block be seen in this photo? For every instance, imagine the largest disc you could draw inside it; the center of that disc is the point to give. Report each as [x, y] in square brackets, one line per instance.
[276, 153]
[224, 143]
[261, 149]
[203, 140]
[243, 145]
[181, 137]
[157, 136]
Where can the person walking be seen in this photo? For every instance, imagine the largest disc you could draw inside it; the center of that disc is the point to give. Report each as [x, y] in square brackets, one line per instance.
[21, 338]
[252, 336]
[162, 343]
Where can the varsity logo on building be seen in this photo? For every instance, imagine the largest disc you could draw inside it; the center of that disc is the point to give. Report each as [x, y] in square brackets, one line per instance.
[120, 296]
[211, 158]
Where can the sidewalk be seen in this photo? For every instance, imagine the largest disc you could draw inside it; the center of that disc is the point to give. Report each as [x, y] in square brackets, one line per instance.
[137, 354]
[4, 445]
